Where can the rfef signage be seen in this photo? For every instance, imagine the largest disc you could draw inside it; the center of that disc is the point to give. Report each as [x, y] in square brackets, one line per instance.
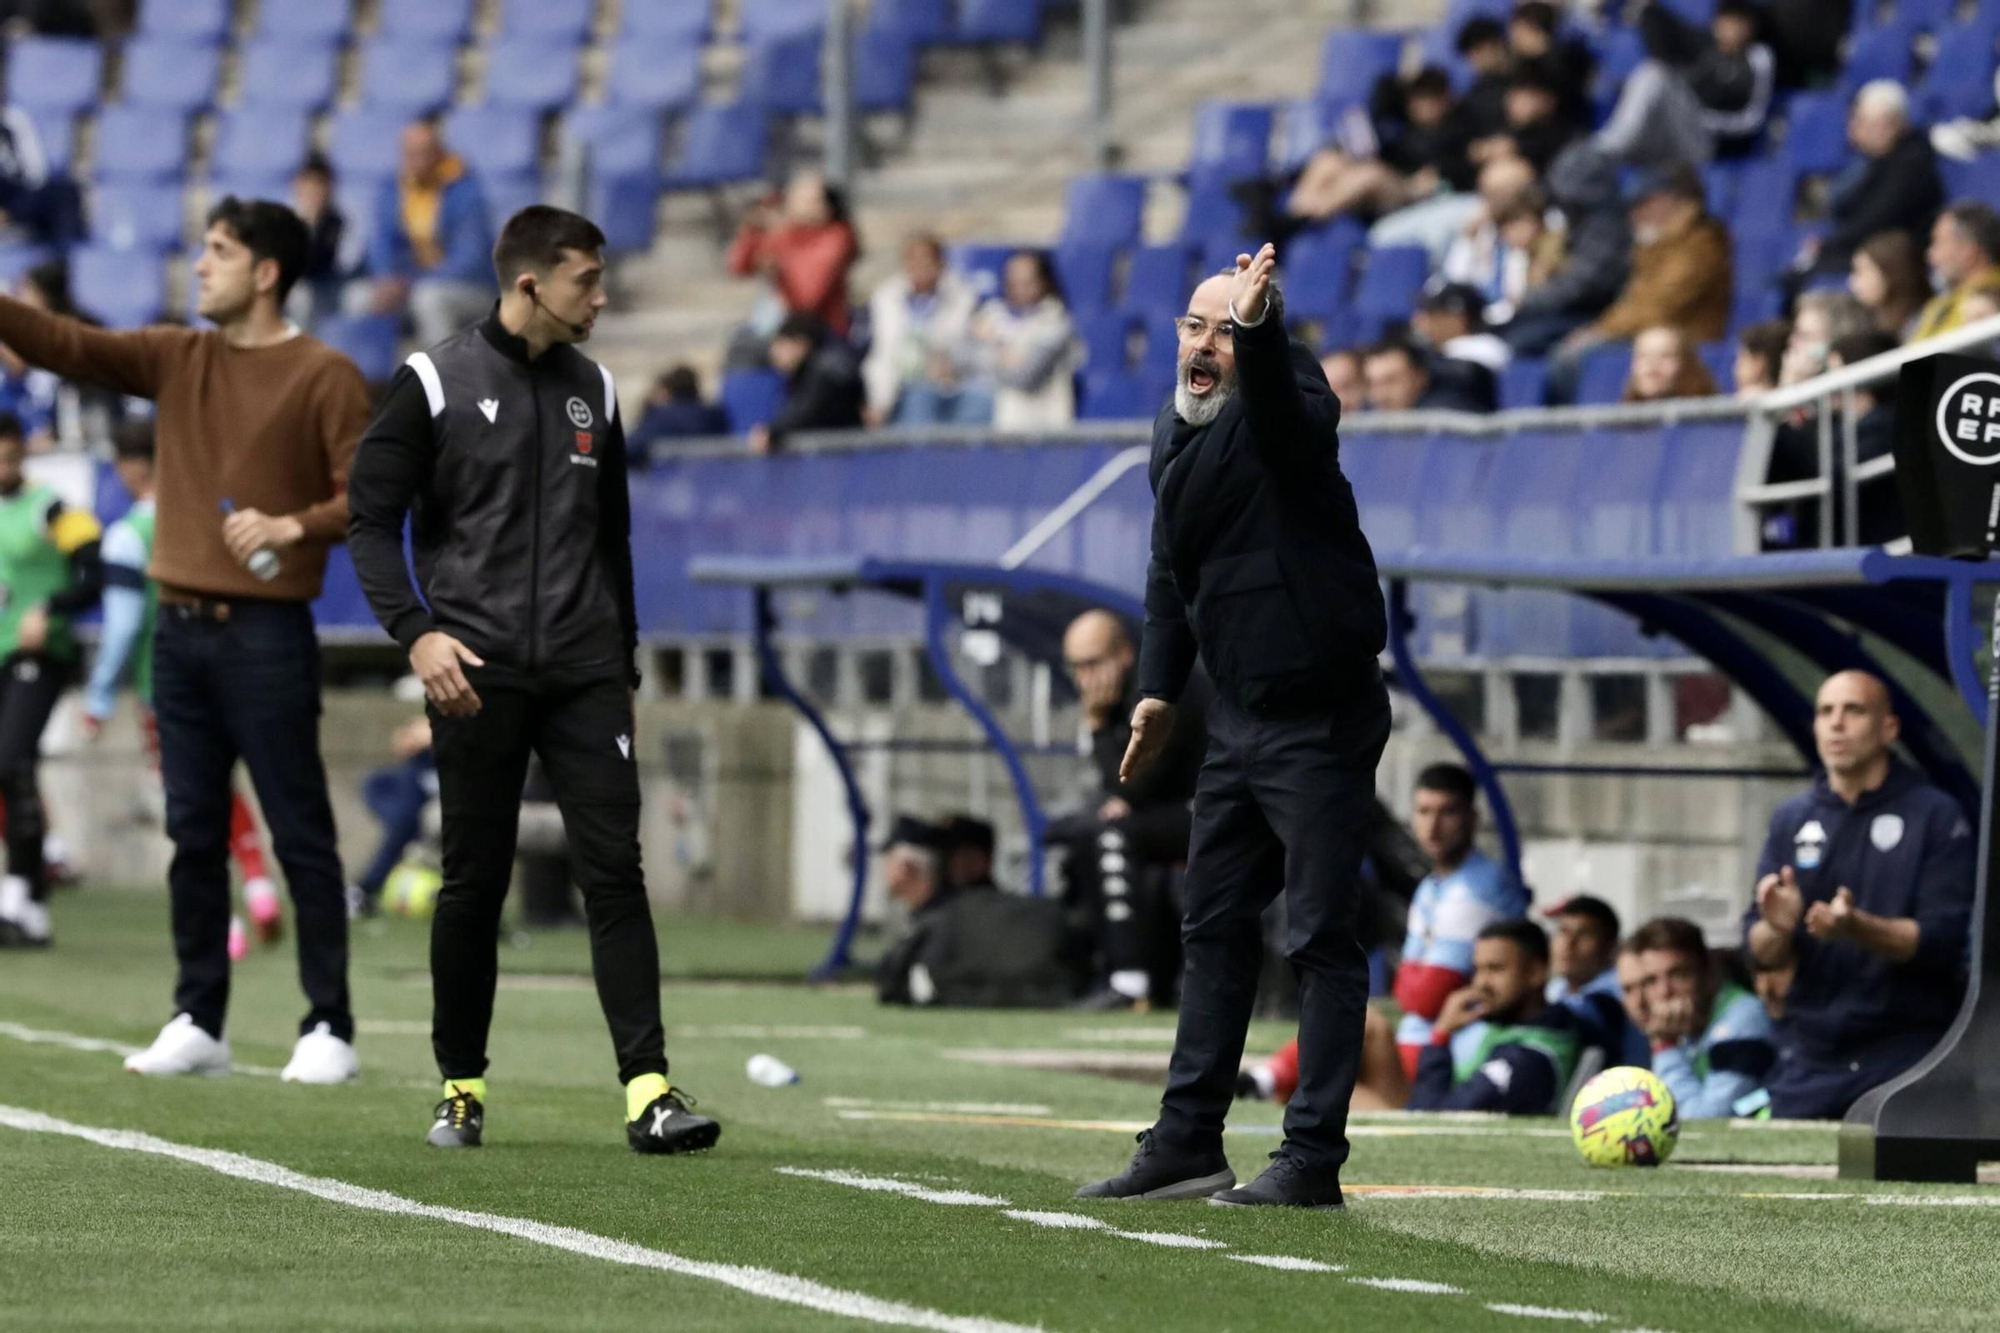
[1948, 454]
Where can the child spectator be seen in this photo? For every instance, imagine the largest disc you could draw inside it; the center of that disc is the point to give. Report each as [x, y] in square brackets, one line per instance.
[675, 410]
[1665, 365]
[1760, 351]
[822, 383]
[1888, 278]
[1023, 344]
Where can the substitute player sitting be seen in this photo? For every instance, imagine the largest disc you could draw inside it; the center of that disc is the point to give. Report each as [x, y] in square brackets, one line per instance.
[1711, 1038]
[1498, 1045]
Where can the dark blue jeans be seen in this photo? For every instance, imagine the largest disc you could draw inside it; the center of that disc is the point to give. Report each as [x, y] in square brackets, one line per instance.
[242, 682]
[396, 796]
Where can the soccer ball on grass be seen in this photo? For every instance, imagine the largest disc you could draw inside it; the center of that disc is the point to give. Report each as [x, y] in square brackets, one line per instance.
[1625, 1117]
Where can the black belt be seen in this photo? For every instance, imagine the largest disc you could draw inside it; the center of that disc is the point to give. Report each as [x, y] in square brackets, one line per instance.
[201, 608]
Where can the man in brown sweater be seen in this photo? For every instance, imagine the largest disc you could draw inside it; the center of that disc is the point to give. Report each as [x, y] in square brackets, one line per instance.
[256, 424]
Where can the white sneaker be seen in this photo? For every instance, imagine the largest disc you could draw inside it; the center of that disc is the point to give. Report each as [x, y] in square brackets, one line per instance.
[181, 1048]
[27, 919]
[321, 1057]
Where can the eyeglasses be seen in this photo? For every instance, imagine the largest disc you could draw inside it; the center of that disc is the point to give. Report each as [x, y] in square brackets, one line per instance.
[1193, 330]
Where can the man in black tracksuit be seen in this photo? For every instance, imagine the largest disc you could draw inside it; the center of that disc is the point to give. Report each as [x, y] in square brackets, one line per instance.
[1260, 566]
[502, 445]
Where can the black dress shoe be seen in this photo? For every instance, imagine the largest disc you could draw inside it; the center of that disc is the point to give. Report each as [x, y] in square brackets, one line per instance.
[1284, 1184]
[669, 1125]
[1163, 1171]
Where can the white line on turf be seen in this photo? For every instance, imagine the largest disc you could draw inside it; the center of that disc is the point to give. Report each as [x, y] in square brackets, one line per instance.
[792, 1032]
[759, 1282]
[1078, 1222]
[98, 1046]
[890, 1185]
[1547, 1312]
[1411, 1285]
[962, 1108]
[1287, 1262]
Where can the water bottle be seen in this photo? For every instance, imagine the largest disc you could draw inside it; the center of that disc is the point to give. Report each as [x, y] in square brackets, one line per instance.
[263, 562]
[770, 1072]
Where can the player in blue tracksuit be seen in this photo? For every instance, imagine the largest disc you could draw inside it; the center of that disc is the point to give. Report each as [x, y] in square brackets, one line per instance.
[1864, 894]
[1711, 1039]
[1582, 956]
[1498, 1045]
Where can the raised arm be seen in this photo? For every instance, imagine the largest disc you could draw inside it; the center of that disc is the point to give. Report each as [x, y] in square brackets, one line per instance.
[123, 361]
[1287, 422]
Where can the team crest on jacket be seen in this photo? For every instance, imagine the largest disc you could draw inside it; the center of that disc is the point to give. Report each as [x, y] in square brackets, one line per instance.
[1886, 832]
[579, 413]
[583, 439]
[1809, 845]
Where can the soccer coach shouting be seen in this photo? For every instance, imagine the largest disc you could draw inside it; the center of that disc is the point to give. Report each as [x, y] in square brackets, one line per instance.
[1259, 565]
[503, 447]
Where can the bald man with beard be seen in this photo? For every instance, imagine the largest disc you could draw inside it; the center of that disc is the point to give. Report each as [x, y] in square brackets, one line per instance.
[1138, 826]
[1260, 569]
[1864, 895]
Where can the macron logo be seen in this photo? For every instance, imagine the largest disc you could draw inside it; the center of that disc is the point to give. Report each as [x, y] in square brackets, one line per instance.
[490, 407]
[625, 746]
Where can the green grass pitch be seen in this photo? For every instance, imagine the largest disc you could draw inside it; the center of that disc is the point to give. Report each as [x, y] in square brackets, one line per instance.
[95, 1235]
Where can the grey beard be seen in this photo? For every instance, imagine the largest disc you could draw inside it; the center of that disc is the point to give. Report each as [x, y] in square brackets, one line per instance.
[1204, 410]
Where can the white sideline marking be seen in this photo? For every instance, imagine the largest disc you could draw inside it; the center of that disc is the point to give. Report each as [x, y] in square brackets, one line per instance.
[1545, 1312]
[1078, 1222]
[890, 1185]
[733, 1031]
[98, 1046]
[961, 1108]
[1412, 1285]
[759, 1282]
[1372, 1193]
[392, 1027]
[1287, 1262]
[1151, 1036]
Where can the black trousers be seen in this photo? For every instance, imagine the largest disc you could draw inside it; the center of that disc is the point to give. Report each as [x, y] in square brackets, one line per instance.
[583, 734]
[1282, 803]
[242, 682]
[30, 684]
[1116, 872]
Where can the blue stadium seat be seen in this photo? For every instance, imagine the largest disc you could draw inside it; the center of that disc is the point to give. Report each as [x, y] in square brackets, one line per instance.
[1310, 125]
[1116, 395]
[1699, 12]
[1523, 383]
[1766, 196]
[1105, 335]
[626, 207]
[1162, 347]
[1760, 255]
[1619, 52]
[1924, 15]
[1318, 266]
[1157, 280]
[289, 72]
[1353, 60]
[53, 73]
[363, 145]
[1210, 214]
[1879, 53]
[256, 185]
[560, 22]
[1605, 370]
[998, 22]
[885, 70]
[721, 145]
[1460, 12]
[204, 21]
[1392, 281]
[780, 18]
[409, 76]
[781, 73]
[139, 144]
[324, 22]
[123, 288]
[530, 71]
[1816, 140]
[1721, 180]
[980, 263]
[687, 20]
[926, 22]
[57, 131]
[496, 140]
[1107, 210]
[622, 141]
[136, 217]
[1232, 140]
[261, 141]
[1720, 358]
[1084, 270]
[751, 397]
[508, 195]
[369, 341]
[654, 72]
[1959, 81]
[428, 23]
[171, 73]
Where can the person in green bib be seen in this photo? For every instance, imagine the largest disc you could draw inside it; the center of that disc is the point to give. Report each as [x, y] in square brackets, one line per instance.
[131, 605]
[1498, 1044]
[49, 572]
[1713, 1040]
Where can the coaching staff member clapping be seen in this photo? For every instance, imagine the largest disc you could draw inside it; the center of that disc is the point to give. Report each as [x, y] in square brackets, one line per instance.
[1259, 565]
[502, 446]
